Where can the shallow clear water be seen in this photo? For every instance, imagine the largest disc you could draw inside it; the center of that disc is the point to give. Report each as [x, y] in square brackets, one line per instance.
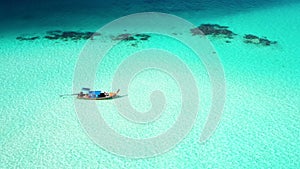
[260, 124]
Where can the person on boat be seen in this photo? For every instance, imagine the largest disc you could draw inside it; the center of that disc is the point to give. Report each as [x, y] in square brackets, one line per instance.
[86, 96]
[80, 94]
[83, 95]
[105, 94]
[101, 95]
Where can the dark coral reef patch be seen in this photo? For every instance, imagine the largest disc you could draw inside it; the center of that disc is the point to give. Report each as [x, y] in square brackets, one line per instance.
[219, 31]
[70, 35]
[131, 37]
[62, 35]
[124, 37]
[77, 35]
[143, 36]
[214, 30]
[24, 38]
[249, 38]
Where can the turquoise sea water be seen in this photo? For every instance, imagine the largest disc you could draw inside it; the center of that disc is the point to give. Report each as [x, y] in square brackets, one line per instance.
[260, 123]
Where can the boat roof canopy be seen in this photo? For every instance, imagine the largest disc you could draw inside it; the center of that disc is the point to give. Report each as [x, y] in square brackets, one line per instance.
[85, 89]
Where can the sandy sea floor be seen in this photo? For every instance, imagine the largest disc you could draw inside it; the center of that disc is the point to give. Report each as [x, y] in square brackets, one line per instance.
[259, 127]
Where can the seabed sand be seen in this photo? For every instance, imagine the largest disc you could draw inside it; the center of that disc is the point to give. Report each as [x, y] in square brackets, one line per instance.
[259, 126]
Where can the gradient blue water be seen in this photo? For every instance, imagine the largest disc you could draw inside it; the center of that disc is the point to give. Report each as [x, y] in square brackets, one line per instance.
[260, 126]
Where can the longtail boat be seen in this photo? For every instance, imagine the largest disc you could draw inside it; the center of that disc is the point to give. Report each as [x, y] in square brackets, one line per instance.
[87, 94]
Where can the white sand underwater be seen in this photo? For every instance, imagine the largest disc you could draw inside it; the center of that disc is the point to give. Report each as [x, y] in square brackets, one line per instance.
[259, 127]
